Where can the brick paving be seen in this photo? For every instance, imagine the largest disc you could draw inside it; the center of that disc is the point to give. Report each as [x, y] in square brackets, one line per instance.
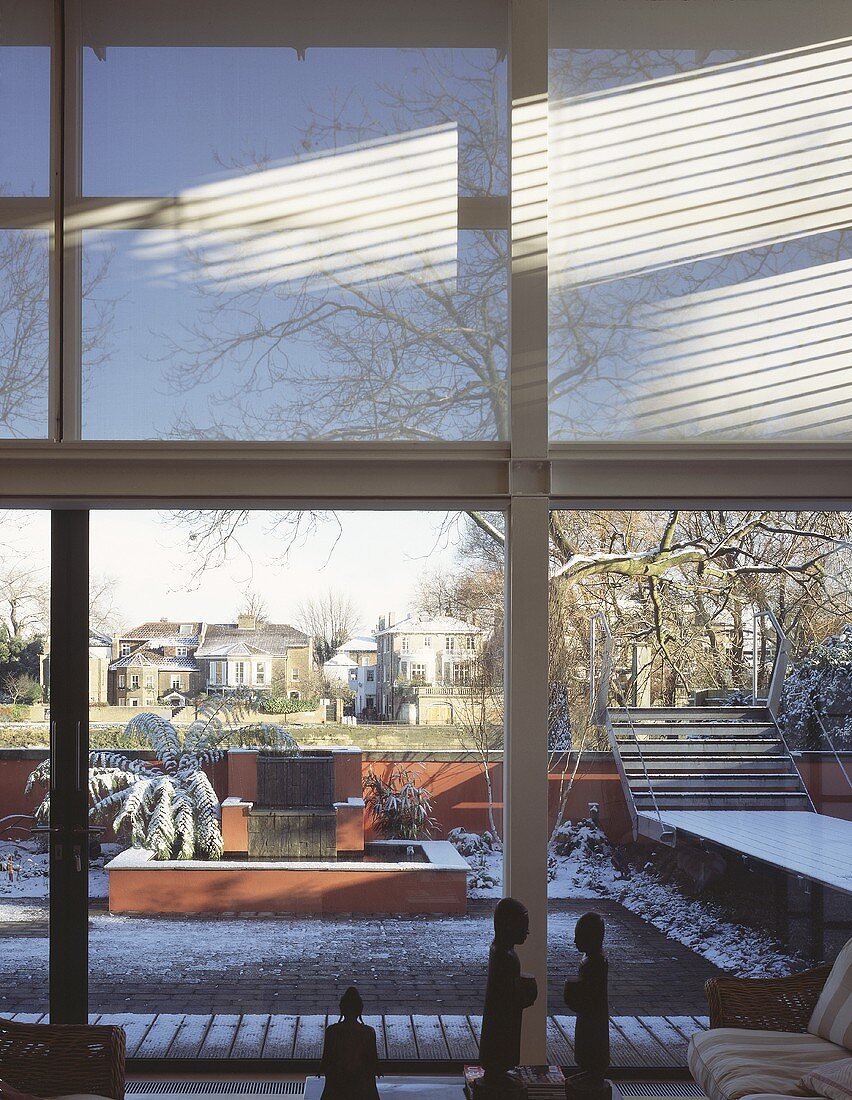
[404, 965]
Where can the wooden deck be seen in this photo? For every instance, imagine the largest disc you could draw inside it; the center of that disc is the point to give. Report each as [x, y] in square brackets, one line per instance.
[801, 843]
[637, 1042]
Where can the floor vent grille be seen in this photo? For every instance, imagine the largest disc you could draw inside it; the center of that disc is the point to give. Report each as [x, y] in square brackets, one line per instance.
[235, 1090]
[640, 1089]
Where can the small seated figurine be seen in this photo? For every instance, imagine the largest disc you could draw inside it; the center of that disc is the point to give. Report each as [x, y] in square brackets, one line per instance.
[507, 993]
[350, 1059]
[586, 995]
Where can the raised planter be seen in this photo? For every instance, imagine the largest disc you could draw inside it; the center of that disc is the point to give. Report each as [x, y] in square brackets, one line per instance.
[380, 883]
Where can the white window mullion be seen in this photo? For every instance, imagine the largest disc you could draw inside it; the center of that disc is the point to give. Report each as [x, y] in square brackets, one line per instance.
[526, 616]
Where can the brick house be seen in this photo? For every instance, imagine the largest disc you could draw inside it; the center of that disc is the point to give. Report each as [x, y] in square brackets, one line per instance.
[154, 662]
[248, 654]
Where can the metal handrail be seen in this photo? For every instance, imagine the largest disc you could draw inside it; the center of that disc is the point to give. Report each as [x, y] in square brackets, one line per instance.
[664, 829]
[779, 666]
[598, 699]
[828, 738]
[599, 690]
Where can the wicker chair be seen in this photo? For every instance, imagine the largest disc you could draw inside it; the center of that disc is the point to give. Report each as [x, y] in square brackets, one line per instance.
[765, 1004]
[56, 1059]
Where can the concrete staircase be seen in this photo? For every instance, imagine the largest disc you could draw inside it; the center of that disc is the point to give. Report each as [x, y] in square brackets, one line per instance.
[703, 758]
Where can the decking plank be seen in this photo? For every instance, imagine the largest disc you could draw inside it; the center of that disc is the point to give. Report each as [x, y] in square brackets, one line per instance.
[476, 1027]
[429, 1036]
[135, 1024]
[29, 1017]
[190, 1036]
[248, 1042]
[686, 1025]
[280, 1037]
[160, 1036]
[566, 1025]
[558, 1051]
[309, 1037]
[668, 1036]
[621, 1051]
[649, 1052]
[377, 1023]
[461, 1043]
[220, 1035]
[399, 1033]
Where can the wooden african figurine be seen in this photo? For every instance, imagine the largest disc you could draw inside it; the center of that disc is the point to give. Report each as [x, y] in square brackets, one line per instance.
[507, 993]
[350, 1059]
[587, 996]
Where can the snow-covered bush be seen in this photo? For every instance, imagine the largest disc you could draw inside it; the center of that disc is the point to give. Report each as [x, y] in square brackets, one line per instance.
[820, 683]
[167, 805]
[471, 844]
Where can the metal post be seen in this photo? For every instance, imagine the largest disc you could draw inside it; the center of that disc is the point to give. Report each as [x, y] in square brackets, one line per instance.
[69, 716]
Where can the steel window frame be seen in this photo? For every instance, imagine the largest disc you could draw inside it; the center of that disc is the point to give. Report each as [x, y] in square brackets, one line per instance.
[523, 477]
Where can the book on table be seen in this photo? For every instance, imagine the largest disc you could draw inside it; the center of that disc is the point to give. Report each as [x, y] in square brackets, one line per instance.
[540, 1082]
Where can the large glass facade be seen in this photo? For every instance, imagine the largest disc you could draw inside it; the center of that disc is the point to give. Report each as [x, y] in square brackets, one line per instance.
[302, 272]
[279, 232]
[699, 245]
[26, 217]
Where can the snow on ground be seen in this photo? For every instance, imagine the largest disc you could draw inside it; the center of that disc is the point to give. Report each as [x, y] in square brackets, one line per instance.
[30, 870]
[585, 864]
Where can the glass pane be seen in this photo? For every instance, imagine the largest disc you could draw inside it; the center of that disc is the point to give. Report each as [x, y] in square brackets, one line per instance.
[285, 619]
[699, 247]
[293, 263]
[24, 749]
[25, 217]
[707, 823]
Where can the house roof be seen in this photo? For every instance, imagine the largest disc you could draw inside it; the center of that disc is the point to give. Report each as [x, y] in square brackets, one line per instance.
[151, 658]
[268, 640]
[164, 632]
[440, 624]
[361, 643]
[96, 638]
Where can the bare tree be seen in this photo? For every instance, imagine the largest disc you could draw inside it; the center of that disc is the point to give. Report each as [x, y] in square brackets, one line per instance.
[255, 607]
[330, 619]
[478, 716]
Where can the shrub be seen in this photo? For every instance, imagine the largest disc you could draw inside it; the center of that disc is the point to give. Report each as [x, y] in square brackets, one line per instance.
[820, 683]
[279, 704]
[399, 807]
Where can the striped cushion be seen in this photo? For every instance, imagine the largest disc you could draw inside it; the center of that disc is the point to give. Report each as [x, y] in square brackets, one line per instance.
[832, 1017]
[833, 1081]
[731, 1062]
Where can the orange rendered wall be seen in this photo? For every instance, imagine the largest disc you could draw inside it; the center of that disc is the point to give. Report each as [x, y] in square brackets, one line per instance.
[184, 890]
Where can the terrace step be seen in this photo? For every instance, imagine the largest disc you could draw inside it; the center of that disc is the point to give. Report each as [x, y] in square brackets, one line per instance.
[714, 746]
[711, 715]
[738, 781]
[707, 764]
[723, 800]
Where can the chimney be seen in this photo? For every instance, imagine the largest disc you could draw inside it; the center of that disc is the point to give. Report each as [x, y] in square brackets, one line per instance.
[246, 622]
[390, 618]
[113, 648]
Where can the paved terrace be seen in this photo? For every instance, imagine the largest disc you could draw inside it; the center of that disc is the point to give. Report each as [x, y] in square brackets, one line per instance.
[403, 965]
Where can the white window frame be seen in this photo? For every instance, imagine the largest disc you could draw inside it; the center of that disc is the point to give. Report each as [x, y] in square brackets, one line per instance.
[239, 673]
[260, 673]
[181, 651]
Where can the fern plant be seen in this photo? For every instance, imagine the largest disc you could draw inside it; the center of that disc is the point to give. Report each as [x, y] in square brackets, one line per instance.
[168, 805]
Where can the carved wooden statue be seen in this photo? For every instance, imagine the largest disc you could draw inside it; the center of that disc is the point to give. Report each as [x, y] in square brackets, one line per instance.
[587, 996]
[507, 993]
[350, 1059]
